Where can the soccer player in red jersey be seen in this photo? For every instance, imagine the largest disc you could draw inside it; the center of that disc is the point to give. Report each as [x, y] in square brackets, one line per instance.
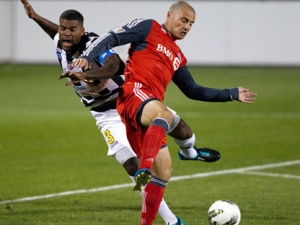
[154, 60]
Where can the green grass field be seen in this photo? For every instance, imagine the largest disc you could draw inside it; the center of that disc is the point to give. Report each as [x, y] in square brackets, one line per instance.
[54, 169]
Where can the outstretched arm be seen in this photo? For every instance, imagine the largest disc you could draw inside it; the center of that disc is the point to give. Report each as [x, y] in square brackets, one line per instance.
[112, 66]
[49, 27]
[184, 80]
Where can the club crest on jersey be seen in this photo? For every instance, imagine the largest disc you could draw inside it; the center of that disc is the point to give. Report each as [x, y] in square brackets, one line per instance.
[169, 54]
[70, 65]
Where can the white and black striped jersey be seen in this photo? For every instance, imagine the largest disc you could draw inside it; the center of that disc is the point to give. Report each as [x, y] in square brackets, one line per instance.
[93, 93]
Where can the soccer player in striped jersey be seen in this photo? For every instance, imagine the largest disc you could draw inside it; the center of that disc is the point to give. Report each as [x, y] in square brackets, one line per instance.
[70, 40]
[154, 60]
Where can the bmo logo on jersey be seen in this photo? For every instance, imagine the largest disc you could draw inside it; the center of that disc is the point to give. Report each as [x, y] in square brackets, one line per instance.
[169, 54]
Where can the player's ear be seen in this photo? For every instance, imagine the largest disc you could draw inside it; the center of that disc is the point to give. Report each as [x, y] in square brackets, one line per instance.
[82, 30]
[169, 14]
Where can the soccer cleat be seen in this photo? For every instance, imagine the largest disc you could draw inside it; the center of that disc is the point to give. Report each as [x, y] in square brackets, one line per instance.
[204, 154]
[179, 221]
[142, 177]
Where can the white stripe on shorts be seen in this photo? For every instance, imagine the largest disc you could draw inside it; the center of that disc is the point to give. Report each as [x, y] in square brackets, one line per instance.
[141, 95]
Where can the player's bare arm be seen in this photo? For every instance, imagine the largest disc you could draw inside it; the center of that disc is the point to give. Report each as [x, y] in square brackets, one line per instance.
[76, 77]
[113, 66]
[49, 27]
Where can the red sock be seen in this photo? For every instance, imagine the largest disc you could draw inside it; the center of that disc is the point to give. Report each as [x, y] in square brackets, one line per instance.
[152, 143]
[152, 197]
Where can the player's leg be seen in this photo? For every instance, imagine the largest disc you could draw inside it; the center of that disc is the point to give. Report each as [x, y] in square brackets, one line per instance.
[185, 139]
[155, 119]
[163, 210]
[131, 166]
[162, 169]
[109, 122]
[158, 119]
[152, 119]
[154, 190]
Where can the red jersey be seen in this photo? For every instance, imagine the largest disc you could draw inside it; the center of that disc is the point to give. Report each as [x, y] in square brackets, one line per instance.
[154, 60]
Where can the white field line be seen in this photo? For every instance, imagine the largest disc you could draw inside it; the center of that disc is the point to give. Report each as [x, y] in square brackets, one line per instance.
[68, 193]
[272, 175]
[243, 170]
[238, 170]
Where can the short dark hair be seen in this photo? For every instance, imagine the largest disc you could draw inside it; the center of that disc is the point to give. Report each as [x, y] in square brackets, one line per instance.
[72, 14]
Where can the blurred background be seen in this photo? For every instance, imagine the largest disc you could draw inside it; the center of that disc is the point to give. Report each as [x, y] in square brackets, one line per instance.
[225, 32]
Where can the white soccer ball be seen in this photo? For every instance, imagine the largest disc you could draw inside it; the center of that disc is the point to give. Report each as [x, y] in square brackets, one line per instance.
[224, 212]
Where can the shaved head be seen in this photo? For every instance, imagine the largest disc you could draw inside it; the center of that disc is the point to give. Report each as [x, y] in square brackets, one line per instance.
[179, 5]
[180, 18]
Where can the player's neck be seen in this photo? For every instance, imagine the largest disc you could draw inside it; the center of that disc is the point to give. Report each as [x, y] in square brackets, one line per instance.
[164, 26]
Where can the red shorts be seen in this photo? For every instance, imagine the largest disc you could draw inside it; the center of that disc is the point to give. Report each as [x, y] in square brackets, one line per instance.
[132, 95]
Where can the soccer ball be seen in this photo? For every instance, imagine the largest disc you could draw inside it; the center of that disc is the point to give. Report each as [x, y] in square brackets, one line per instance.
[224, 212]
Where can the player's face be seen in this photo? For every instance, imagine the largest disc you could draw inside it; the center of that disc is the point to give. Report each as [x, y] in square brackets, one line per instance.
[181, 22]
[70, 32]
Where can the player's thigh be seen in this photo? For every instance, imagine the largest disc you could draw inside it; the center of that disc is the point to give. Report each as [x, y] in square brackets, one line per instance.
[154, 109]
[162, 166]
[113, 130]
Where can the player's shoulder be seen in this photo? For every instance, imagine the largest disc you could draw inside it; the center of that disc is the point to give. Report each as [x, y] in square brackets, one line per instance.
[140, 21]
[91, 34]
[88, 38]
[57, 43]
[142, 26]
[56, 38]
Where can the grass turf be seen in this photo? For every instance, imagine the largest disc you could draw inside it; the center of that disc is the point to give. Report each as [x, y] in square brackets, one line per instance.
[49, 143]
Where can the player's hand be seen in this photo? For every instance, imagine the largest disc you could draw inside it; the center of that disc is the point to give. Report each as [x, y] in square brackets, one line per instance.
[28, 8]
[245, 96]
[81, 63]
[75, 77]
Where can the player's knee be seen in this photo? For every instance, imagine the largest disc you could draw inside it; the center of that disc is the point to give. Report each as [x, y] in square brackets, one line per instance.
[169, 171]
[167, 115]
